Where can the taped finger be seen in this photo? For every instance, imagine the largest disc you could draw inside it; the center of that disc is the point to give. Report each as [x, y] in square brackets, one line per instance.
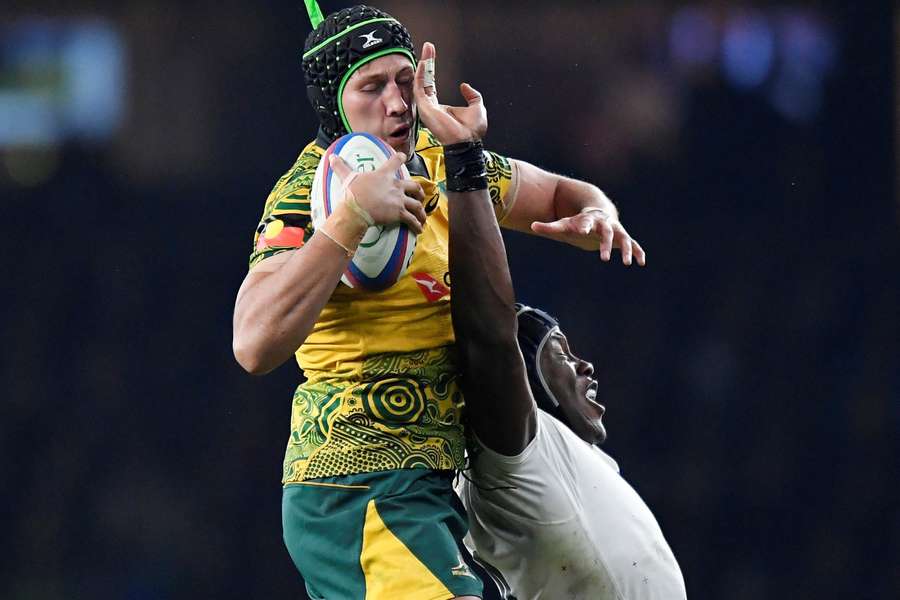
[429, 76]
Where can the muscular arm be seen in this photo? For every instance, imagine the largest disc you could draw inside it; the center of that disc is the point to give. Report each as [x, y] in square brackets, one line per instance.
[499, 407]
[571, 211]
[281, 298]
[498, 400]
[543, 196]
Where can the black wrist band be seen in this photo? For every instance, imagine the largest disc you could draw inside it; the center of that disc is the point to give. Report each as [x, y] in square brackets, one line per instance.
[464, 164]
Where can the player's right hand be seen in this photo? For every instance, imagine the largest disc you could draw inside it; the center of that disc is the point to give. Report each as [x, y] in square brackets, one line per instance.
[380, 193]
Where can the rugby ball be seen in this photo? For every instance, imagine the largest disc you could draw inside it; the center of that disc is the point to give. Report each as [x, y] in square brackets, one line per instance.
[385, 250]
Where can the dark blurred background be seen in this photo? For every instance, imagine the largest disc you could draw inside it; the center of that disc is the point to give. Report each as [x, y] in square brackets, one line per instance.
[751, 371]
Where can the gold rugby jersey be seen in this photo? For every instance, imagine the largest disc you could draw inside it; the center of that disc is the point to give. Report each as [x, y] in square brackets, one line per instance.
[381, 390]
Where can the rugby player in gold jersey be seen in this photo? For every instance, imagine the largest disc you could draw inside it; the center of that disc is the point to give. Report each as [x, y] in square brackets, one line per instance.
[376, 433]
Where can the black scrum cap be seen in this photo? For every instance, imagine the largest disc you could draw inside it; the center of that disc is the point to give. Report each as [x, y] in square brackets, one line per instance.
[535, 328]
[339, 44]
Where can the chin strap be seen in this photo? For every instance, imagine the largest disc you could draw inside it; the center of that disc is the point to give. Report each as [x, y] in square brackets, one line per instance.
[315, 13]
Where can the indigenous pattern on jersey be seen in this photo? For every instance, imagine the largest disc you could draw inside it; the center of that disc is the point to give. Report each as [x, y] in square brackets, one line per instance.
[381, 390]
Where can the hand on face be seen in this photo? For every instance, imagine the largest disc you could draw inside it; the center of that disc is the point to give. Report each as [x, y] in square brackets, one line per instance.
[449, 124]
[380, 193]
[593, 229]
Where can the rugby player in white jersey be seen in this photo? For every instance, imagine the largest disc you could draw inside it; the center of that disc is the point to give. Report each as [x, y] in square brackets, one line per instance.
[547, 508]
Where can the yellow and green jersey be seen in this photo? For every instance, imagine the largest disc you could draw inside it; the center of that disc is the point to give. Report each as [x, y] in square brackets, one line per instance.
[381, 390]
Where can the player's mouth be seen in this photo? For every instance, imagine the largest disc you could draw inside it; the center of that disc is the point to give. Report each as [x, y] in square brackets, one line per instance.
[399, 135]
[591, 395]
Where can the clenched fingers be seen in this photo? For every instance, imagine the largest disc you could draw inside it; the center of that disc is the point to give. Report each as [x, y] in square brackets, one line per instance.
[340, 166]
[415, 208]
[411, 220]
[393, 163]
[412, 189]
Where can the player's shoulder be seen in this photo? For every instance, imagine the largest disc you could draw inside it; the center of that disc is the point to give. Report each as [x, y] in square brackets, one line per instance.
[290, 195]
[302, 171]
[285, 223]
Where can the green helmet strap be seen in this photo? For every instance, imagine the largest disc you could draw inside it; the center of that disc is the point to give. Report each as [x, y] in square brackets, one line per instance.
[315, 13]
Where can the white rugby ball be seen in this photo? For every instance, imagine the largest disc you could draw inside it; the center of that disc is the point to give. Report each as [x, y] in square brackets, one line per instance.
[385, 250]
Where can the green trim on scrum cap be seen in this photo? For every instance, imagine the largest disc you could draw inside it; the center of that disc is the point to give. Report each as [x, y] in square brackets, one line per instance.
[314, 12]
[357, 65]
[321, 45]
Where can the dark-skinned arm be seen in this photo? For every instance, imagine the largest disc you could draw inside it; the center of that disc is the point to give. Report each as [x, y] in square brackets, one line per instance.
[499, 406]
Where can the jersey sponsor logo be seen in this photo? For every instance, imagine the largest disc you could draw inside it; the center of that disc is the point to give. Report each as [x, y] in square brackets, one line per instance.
[370, 38]
[432, 289]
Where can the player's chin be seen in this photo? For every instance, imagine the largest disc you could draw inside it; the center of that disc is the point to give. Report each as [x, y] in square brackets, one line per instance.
[599, 431]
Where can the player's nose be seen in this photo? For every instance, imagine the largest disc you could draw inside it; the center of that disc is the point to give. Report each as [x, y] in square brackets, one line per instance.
[585, 368]
[394, 102]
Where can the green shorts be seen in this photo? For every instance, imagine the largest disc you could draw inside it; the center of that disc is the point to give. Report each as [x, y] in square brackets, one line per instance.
[389, 535]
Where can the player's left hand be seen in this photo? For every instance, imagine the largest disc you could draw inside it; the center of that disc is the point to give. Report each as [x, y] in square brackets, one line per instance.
[594, 229]
[449, 124]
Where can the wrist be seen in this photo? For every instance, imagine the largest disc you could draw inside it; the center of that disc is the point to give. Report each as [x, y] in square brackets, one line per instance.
[345, 227]
[465, 166]
[597, 209]
[351, 202]
[608, 215]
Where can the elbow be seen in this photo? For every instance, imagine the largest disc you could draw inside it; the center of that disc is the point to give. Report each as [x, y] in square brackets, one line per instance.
[250, 358]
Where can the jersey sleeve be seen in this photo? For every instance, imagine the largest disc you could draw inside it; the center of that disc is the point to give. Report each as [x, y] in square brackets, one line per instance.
[286, 223]
[502, 183]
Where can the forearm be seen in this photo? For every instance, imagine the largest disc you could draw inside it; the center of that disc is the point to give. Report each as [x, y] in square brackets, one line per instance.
[544, 197]
[572, 196]
[483, 295]
[275, 311]
[499, 407]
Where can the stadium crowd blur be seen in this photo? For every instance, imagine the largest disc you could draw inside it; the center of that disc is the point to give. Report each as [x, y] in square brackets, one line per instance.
[751, 372]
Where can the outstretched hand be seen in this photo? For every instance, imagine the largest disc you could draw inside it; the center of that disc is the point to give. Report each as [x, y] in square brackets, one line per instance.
[449, 124]
[382, 195]
[594, 229]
